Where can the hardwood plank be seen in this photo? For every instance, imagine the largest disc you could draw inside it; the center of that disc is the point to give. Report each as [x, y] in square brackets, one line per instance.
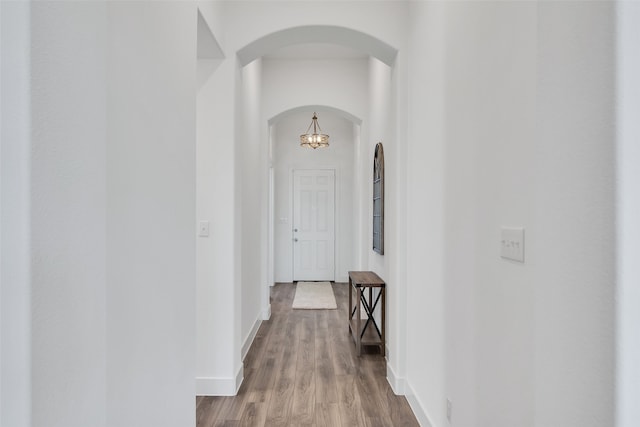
[370, 397]
[303, 420]
[379, 422]
[304, 396]
[281, 401]
[326, 390]
[400, 412]
[257, 347]
[232, 408]
[343, 355]
[208, 411]
[289, 355]
[328, 415]
[263, 382]
[307, 336]
[322, 324]
[255, 414]
[202, 409]
[351, 413]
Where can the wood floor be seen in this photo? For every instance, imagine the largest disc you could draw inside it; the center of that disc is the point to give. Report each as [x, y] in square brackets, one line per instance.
[302, 370]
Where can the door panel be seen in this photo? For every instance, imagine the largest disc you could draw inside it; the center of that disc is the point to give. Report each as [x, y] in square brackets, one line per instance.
[313, 225]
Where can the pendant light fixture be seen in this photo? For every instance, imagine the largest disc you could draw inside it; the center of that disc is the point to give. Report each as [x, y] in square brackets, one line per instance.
[315, 139]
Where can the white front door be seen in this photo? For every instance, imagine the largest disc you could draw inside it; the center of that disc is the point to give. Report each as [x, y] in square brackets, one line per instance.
[313, 224]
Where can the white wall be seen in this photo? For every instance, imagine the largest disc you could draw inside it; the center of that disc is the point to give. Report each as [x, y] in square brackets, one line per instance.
[425, 371]
[380, 128]
[151, 214]
[574, 213]
[288, 155]
[518, 112]
[15, 257]
[216, 364]
[110, 209]
[214, 12]
[68, 213]
[489, 301]
[252, 157]
[628, 203]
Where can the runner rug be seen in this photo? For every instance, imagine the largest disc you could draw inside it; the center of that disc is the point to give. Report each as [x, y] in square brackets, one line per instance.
[314, 296]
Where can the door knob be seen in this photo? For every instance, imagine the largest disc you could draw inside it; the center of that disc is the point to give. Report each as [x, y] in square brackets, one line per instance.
[295, 240]
[295, 230]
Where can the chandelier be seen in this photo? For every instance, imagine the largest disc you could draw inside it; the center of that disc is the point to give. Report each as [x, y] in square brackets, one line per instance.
[315, 139]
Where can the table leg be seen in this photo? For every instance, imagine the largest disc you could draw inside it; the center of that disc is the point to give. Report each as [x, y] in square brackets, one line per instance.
[358, 322]
[350, 304]
[384, 305]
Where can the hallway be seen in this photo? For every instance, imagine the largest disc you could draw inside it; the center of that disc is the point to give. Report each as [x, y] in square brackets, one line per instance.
[302, 370]
[147, 157]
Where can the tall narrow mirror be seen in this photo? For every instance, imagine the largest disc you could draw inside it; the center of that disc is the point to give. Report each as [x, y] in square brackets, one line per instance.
[378, 200]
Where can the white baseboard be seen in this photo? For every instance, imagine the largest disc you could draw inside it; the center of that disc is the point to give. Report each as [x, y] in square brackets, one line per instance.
[215, 386]
[397, 384]
[418, 409]
[249, 339]
[266, 312]
[239, 378]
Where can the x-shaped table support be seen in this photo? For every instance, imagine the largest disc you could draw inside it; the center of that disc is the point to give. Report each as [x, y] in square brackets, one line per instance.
[368, 309]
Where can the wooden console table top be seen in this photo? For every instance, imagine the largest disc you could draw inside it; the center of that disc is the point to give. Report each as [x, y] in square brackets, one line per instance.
[366, 278]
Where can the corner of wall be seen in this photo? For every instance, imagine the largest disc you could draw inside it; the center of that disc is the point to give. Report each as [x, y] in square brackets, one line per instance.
[397, 383]
[246, 345]
[266, 312]
[216, 386]
[239, 379]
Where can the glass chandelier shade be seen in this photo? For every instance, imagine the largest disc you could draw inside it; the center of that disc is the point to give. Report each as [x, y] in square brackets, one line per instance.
[317, 138]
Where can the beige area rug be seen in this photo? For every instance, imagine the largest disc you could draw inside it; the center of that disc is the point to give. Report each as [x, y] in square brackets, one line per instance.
[314, 296]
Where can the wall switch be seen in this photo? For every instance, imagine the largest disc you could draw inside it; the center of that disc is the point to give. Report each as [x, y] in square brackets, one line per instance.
[449, 410]
[203, 229]
[512, 243]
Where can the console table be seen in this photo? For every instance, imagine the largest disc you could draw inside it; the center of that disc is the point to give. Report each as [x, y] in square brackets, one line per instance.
[367, 333]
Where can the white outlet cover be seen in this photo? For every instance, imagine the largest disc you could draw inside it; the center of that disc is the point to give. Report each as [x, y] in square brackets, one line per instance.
[512, 243]
[203, 229]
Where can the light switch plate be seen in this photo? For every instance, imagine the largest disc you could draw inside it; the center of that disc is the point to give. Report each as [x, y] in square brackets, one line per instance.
[203, 229]
[512, 243]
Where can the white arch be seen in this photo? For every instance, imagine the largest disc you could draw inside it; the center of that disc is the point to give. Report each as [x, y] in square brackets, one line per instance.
[317, 108]
[318, 34]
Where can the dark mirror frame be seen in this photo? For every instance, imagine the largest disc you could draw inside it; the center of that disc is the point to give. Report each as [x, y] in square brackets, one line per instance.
[378, 200]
